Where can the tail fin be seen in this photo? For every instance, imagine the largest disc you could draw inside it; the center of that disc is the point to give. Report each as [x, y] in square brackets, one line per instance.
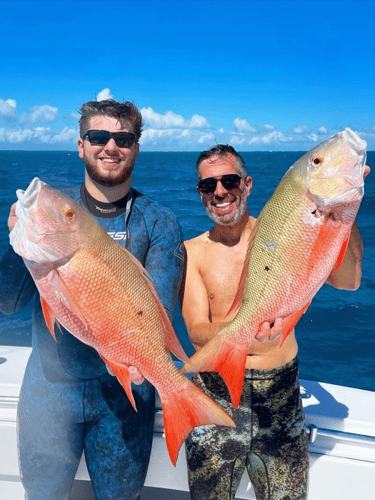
[225, 357]
[186, 409]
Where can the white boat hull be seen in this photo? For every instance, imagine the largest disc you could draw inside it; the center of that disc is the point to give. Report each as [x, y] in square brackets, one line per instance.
[340, 420]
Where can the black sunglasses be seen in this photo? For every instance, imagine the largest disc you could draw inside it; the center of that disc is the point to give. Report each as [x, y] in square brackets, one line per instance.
[102, 137]
[229, 182]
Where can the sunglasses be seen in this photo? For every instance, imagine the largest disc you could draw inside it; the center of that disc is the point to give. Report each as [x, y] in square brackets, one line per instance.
[229, 182]
[102, 137]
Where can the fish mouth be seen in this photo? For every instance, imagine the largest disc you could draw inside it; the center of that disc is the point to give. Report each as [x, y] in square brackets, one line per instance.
[357, 148]
[355, 142]
[28, 247]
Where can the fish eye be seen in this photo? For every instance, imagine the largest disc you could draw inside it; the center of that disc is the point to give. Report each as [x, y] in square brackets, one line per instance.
[70, 214]
[317, 160]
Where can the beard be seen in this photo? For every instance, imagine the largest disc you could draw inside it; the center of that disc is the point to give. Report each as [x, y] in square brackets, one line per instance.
[109, 179]
[222, 220]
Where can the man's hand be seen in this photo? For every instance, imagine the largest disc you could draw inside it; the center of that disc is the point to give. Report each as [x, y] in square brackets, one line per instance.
[12, 219]
[135, 376]
[268, 332]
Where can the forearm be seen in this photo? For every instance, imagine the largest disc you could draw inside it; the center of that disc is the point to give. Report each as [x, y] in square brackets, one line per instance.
[349, 274]
[16, 285]
[202, 333]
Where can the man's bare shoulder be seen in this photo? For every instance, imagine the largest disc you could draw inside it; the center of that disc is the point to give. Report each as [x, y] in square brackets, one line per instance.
[197, 243]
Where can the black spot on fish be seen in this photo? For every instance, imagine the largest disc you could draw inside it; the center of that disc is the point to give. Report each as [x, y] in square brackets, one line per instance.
[266, 268]
[140, 313]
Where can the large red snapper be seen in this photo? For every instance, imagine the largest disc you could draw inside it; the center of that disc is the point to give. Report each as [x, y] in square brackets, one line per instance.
[300, 236]
[100, 293]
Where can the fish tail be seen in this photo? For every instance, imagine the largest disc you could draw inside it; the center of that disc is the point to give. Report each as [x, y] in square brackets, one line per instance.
[226, 357]
[186, 409]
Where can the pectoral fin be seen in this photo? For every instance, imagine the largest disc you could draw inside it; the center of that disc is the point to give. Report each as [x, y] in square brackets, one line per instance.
[342, 253]
[49, 317]
[290, 322]
[64, 295]
[123, 376]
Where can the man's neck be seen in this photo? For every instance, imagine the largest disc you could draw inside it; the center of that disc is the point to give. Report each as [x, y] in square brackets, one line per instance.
[107, 194]
[230, 235]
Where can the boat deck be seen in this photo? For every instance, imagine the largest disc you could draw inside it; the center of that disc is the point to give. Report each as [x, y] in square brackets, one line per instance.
[340, 423]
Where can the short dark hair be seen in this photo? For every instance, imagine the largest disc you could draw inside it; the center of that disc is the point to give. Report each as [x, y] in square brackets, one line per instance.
[126, 112]
[220, 150]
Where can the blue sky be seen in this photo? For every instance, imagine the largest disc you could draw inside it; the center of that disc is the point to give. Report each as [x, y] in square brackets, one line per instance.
[260, 75]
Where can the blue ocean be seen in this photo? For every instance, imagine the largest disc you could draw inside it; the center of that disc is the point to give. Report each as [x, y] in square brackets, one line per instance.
[336, 335]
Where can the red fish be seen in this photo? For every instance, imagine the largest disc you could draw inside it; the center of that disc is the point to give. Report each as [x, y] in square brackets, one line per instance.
[101, 294]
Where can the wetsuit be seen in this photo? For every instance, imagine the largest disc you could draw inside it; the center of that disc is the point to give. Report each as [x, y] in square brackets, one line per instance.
[69, 402]
[269, 439]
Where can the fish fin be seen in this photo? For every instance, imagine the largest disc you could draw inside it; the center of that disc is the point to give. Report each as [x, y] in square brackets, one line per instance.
[290, 322]
[123, 376]
[186, 409]
[342, 253]
[49, 317]
[65, 296]
[226, 357]
[323, 242]
[239, 297]
[171, 339]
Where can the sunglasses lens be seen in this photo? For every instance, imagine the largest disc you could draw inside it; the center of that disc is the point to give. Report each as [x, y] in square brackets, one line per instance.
[98, 137]
[124, 139]
[207, 186]
[231, 181]
[102, 137]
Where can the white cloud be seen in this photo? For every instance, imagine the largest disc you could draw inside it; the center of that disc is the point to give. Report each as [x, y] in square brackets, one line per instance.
[104, 95]
[172, 120]
[271, 138]
[313, 137]
[39, 135]
[242, 126]
[322, 130]
[8, 110]
[301, 129]
[42, 113]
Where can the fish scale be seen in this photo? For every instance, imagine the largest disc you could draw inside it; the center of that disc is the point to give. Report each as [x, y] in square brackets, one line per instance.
[101, 294]
[299, 238]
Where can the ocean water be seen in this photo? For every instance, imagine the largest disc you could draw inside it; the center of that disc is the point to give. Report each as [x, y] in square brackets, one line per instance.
[336, 335]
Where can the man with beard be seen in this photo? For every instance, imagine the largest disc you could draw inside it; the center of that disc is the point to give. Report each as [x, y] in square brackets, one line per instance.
[269, 438]
[69, 403]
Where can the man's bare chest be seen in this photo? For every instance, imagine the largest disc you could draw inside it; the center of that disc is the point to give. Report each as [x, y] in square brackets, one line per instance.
[221, 273]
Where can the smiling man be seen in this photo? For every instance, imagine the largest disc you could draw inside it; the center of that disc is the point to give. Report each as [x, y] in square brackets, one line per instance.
[269, 438]
[69, 402]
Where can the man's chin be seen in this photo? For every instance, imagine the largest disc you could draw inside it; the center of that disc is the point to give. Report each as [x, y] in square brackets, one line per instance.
[108, 180]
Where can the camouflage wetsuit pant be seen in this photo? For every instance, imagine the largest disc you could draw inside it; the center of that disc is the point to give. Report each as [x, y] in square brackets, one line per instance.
[269, 439]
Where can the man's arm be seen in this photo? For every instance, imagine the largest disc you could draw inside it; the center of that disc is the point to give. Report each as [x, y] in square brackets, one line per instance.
[16, 284]
[194, 303]
[348, 275]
